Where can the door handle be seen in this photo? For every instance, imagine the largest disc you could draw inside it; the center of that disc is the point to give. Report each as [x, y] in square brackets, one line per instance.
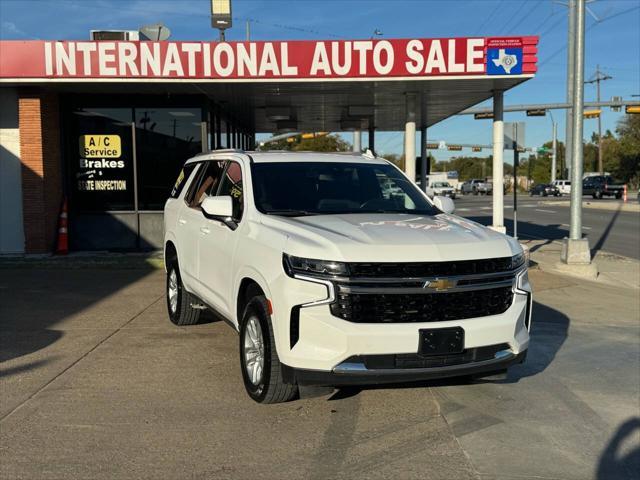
[182, 221]
[205, 230]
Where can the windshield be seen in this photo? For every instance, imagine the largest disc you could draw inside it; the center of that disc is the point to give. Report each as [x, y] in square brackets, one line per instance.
[321, 188]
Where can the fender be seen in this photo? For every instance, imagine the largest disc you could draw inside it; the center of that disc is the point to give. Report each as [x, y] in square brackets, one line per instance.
[249, 272]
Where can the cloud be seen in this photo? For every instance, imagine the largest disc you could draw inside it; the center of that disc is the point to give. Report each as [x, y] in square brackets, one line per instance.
[10, 29]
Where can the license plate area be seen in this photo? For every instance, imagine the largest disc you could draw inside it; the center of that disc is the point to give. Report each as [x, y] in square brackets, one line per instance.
[441, 341]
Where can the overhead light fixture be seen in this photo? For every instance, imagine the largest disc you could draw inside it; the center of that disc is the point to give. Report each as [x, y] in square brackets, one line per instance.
[278, 113]
[287, 126]
[221, 16]
[360, 110]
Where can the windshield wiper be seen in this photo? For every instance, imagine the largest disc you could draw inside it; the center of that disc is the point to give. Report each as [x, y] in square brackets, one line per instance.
[291, 213]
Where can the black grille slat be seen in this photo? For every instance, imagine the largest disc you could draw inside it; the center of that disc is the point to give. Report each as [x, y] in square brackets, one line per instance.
[430, 269]
[421, 307]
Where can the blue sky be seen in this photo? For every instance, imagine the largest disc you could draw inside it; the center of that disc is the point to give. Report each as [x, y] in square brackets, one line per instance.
[613, 41]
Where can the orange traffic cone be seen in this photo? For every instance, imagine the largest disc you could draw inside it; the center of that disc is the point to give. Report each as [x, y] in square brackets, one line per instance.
[63, 235]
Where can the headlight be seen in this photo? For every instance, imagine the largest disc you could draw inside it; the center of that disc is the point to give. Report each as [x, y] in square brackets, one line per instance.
[518, 260]
[308, 266]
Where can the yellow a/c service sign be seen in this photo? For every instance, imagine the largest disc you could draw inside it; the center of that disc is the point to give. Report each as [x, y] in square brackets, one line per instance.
[100, 146]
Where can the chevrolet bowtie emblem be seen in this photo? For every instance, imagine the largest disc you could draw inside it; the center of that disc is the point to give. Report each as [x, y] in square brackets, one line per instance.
[440, 284]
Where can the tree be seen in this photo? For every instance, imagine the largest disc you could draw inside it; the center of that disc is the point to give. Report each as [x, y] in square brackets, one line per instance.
[326, 143]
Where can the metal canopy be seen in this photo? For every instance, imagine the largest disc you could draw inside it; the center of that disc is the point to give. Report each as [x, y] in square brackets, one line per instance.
[321, 106]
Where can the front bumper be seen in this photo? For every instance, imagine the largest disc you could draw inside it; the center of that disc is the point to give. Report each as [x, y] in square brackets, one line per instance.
[311, 341]
[358, 374]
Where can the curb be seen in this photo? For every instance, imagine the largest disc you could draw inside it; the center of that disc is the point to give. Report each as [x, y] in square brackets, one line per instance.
[613, 207]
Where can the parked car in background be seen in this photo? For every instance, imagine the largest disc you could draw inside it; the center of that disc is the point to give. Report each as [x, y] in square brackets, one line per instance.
[476, 186]
[599, 186]
[564, 186]
[544, 190]
[443, 189]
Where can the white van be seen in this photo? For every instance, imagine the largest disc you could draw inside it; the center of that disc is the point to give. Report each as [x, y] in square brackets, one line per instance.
[564, 186]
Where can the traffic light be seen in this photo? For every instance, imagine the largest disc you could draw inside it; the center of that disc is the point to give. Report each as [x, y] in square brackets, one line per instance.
[454, 147]
[432, 146]
[476, 149]
[632, 109]
[591, 113]
[536, 112]
[482, 116]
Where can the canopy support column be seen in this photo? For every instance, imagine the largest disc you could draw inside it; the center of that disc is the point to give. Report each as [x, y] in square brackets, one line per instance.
[410, 138]
[357, 141]
[498, 164]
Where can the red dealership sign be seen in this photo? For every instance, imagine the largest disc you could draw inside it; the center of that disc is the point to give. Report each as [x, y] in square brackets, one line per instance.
[349, 59]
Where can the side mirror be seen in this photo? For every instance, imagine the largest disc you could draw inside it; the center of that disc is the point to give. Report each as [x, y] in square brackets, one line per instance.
[444, 204]
[220, 209]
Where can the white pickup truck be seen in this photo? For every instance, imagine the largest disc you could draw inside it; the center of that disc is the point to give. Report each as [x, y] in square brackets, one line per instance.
[335, 269]
[476, 187]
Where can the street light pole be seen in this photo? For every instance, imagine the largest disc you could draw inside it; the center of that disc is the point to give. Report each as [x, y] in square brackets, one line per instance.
[571, 7]
[577, 159]
[575, 249]
[554, 151]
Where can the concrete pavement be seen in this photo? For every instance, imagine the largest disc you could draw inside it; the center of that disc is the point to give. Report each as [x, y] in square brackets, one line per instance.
[96, 383]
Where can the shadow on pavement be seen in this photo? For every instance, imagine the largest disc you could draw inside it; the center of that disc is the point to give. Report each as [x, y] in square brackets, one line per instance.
[549, 330]
[620, 461]
[34, 300]
[598, 246]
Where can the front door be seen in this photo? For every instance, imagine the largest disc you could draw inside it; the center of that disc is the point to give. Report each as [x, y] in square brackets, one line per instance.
[218, 244]
[190, 218]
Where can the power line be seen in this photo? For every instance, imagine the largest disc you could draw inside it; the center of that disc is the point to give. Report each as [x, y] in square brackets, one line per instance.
[595, 24]
[515, 15]
[526, 16]
[489, 17]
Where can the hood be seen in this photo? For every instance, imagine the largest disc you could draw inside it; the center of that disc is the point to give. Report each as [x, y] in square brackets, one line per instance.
[390, 237]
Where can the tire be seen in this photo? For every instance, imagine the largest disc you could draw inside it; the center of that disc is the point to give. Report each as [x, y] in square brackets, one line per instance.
[263, 382]
[618, 195]
[179, 301]
[475, 191]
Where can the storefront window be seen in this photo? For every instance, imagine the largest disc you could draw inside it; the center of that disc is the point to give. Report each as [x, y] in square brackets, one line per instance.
[165, 139]
[101, 159]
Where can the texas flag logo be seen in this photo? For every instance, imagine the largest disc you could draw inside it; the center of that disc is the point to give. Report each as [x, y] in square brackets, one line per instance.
[504, 61]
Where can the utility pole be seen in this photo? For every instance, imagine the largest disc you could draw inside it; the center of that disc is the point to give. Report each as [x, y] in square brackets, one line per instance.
[597, 78]
[554, 152]
[571, 7]
[575, 249]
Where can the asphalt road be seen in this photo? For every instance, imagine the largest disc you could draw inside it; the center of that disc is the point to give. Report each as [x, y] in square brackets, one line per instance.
[98, 384]
[611, 231]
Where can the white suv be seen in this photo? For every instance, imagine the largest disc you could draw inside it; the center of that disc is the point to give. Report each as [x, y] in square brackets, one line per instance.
[336, 269]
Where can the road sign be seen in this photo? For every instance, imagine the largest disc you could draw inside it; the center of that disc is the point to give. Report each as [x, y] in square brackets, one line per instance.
[442, 145]
[514, 132]
[543, 150]
[538, 112]
[618, 108]
[483, 115]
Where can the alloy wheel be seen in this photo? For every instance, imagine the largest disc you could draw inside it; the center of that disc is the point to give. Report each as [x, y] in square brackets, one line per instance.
[254, 350]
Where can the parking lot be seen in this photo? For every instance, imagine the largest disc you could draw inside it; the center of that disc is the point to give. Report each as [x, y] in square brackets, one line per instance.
[96, 383]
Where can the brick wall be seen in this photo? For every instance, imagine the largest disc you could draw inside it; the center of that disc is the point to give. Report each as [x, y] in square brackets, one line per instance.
[39, 123]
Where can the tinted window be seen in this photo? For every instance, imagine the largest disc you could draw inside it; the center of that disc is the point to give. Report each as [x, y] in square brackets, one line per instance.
[164, 138]
[206, 183]
[307, 188]
[232, 186]
[183, 176]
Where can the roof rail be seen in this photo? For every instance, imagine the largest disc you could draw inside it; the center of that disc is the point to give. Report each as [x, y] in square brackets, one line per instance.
[221, 150]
